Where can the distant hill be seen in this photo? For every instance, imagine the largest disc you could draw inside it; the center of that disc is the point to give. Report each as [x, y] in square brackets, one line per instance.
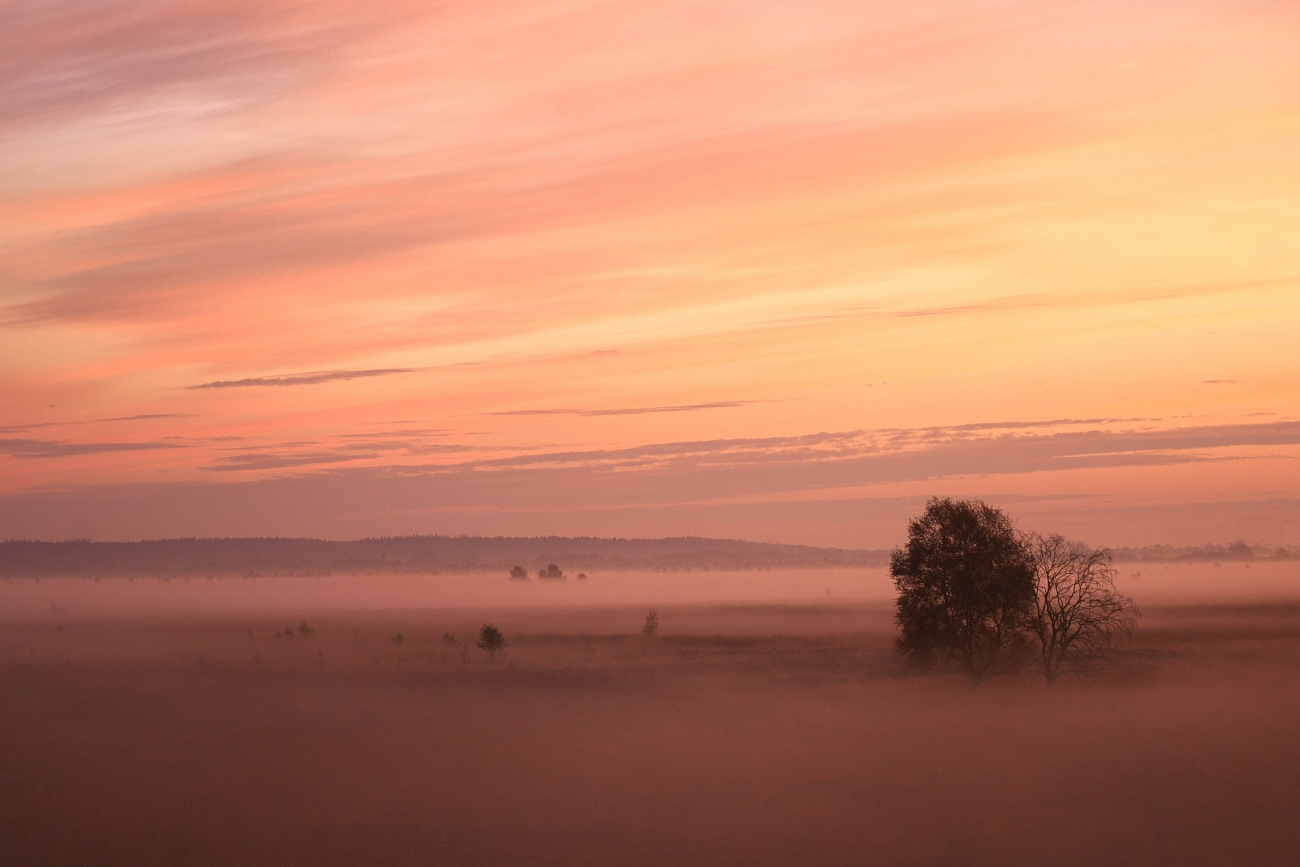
[425, 554]
[1237, 551]
[411, 554]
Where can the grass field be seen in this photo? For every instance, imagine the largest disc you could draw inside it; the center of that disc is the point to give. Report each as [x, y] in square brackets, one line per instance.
[747, 733]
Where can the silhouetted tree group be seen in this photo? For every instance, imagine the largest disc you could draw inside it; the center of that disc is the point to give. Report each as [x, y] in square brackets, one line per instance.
[975, 595]
[551, 571]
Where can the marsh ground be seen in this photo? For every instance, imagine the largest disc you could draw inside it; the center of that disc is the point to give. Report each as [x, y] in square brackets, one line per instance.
[751, 733]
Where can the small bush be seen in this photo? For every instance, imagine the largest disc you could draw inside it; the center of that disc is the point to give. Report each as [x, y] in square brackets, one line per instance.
[491, 640]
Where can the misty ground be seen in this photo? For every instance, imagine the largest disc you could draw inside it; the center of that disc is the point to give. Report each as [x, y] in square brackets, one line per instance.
[753, 733]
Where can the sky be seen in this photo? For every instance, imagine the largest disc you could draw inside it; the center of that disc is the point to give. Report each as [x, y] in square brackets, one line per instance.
[761, 270]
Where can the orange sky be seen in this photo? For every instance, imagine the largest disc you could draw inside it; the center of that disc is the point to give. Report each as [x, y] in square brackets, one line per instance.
[765, 270]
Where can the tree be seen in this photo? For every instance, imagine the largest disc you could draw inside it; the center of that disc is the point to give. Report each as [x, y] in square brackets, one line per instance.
[965, 589]
[651, 623]
[491, 640]
[1078, 613]
[518, 572]
[451, 641]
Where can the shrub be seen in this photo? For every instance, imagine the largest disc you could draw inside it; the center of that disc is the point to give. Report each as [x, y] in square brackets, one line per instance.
[491, 640]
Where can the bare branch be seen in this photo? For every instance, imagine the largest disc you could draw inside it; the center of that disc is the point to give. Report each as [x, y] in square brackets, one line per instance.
[1078, 614]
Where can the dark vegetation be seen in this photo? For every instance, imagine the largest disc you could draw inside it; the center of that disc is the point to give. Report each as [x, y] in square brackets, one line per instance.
[974, 594]
[491, 640]
[965, 589]
[1237, 552]
[1078, 616]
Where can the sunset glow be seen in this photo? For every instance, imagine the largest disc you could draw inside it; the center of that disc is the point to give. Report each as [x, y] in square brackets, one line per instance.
[774, 271]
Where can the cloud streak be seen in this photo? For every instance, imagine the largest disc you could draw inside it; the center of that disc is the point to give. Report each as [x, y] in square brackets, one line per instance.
[776, 481]
[27, 448]
[631, 410]
[311, 378]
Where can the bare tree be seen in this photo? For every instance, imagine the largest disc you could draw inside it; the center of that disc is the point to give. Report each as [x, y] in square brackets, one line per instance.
[454, 643]
[1078, 614]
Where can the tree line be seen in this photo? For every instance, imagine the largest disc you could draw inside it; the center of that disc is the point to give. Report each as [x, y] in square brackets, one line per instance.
[979, 597]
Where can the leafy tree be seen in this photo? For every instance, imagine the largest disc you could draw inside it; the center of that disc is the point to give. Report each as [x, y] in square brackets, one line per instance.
[965, 589]
[651, 623]
[551, 571]
[1078, 614]
[518, 572]
[304, 630]
[491, 639]
[398, 638]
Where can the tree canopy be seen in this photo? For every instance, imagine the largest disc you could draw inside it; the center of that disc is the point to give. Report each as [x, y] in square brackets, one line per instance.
[965, 588]
[491, 640]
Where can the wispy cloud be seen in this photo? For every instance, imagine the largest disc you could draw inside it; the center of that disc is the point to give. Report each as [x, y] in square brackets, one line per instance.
[62, 60]
[148, 416]
[312, 378]
[777, 487]
[233, 463]
[25, 448]
[46, 424]
[1055, 422]
[632, 410]
[389, 434]
[347, 448]
[693, 469]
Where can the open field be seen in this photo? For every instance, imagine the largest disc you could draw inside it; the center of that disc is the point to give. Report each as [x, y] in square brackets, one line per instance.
[749, 731]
